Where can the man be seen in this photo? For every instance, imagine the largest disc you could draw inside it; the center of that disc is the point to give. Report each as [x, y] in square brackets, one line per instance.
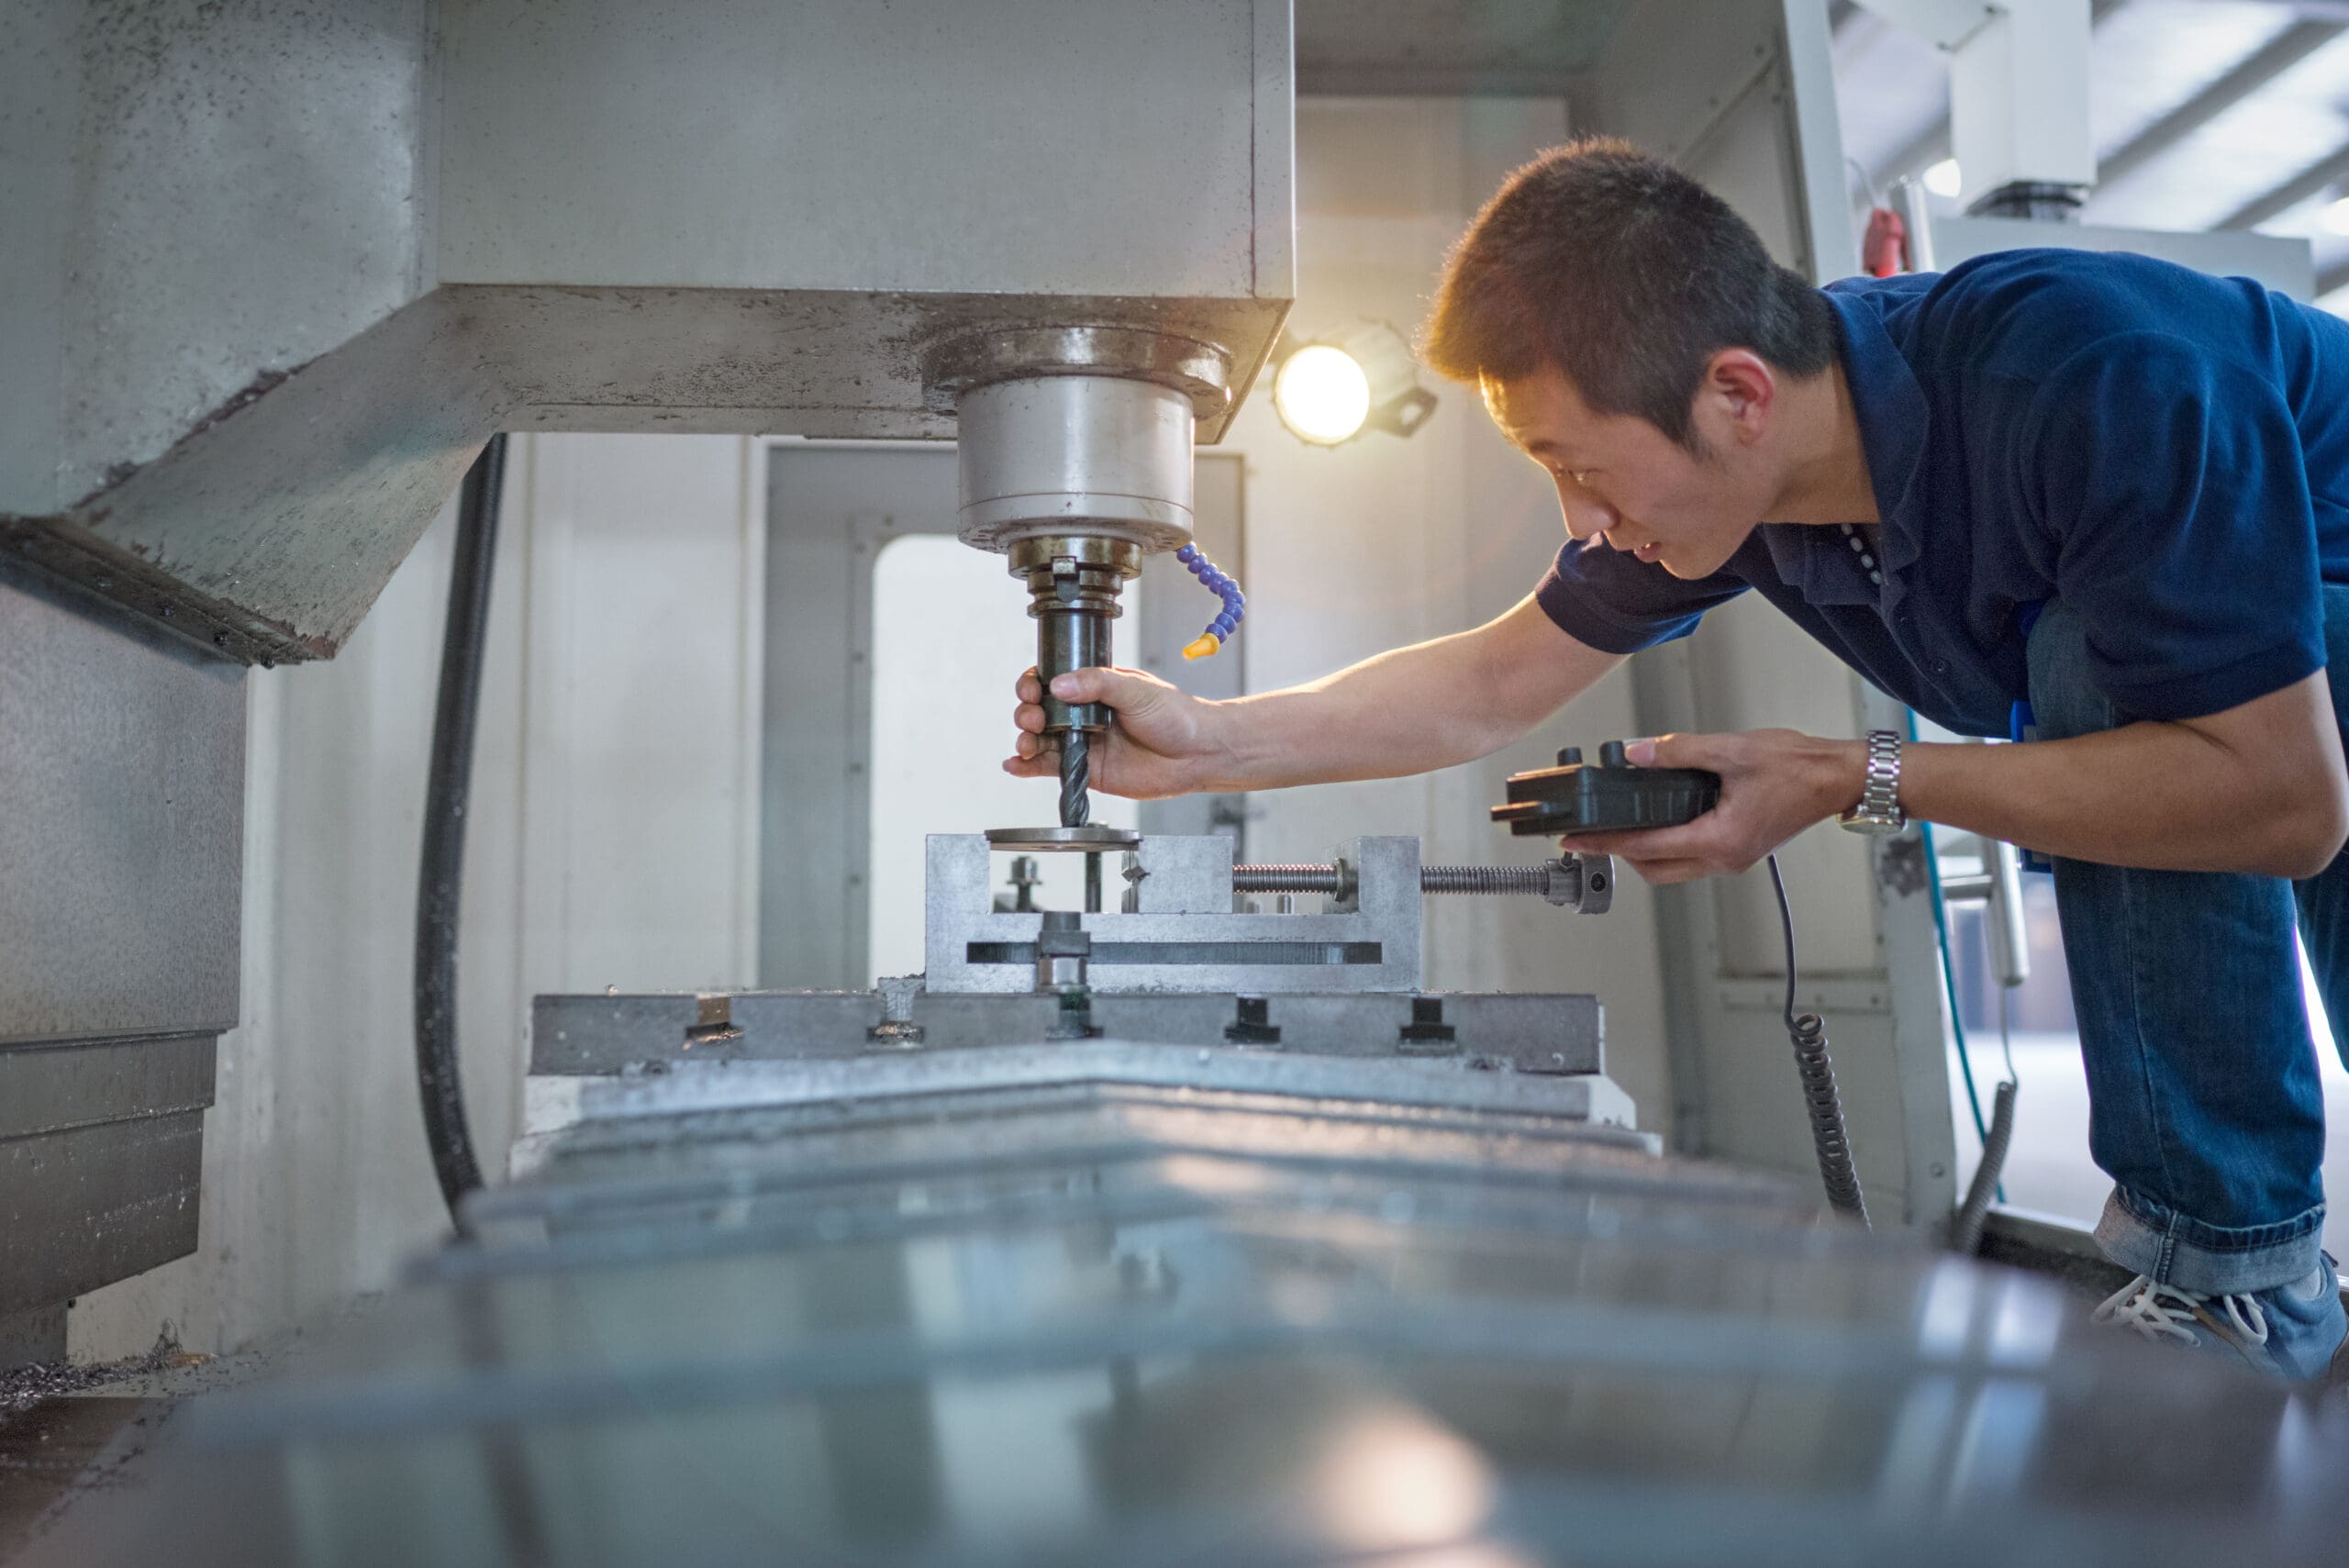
[2107, 486]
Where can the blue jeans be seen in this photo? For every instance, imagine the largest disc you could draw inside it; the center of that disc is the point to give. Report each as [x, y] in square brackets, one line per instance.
[2203, 1099]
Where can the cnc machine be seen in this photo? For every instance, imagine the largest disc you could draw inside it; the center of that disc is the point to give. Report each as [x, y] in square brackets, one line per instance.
[1181, 1224]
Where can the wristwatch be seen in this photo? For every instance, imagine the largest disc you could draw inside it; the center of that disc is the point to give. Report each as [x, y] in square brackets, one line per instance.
[1879, 807]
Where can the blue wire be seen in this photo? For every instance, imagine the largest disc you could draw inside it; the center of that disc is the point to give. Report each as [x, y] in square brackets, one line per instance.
[1949, 976]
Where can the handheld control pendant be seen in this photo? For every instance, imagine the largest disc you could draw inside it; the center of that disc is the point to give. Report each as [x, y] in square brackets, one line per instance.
[1610, 796]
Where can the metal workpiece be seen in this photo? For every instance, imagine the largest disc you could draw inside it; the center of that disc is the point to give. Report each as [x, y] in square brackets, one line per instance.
[1179, 932]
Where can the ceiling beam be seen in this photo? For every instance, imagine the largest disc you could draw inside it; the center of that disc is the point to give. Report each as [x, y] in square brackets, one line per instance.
[2315, 10]
[2311, 180]
[2336, 276]
[1931, 145]
[2280, 54]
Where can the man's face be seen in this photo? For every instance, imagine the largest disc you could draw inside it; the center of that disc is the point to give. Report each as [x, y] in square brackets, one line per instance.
[1620, 478]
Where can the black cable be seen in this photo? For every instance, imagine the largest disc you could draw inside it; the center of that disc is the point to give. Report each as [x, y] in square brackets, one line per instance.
[448, 781]
[1809, 1033]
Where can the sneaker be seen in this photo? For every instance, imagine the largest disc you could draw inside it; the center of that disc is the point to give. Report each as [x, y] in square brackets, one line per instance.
[2291, 1331]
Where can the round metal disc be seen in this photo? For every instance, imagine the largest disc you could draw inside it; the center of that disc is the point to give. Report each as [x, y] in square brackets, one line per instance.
[1030, 840]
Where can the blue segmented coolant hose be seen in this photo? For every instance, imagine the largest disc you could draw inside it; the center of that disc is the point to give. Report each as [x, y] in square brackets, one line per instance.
[1235, 603]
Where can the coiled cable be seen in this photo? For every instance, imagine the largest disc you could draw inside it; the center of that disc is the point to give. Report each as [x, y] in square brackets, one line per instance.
[1235, 603]
[1809, 1033]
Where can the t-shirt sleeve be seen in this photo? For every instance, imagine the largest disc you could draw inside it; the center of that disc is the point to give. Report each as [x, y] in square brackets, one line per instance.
[1616, 603]
[2173, 482]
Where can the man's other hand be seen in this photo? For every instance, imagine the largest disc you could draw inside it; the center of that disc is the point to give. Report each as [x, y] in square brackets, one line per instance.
[1775, 784]
[1161, 743]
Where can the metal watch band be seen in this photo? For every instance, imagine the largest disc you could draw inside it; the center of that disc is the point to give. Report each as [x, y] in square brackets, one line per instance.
[1880, 800]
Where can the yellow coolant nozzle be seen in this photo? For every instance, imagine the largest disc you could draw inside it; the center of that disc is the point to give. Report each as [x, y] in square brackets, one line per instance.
[1204, 647]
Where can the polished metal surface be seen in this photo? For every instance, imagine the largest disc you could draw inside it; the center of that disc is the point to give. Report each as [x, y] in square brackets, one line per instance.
[1070, 455]
[560, 1111]
[1176, 931]
[992, 1323]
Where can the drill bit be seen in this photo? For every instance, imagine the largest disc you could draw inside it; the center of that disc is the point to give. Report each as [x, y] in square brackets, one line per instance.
[1077, 779]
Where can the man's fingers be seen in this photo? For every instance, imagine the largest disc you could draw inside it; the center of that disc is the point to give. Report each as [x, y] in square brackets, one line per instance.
[1664, 874]
[1706, 751]
[1030, 689]
[1122, 689]
[1687, 840]
[1029, 716]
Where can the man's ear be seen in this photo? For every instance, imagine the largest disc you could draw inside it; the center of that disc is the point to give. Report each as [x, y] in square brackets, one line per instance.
[1742, 389]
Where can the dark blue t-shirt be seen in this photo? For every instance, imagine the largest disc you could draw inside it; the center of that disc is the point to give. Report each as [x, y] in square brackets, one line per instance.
[2164, 451]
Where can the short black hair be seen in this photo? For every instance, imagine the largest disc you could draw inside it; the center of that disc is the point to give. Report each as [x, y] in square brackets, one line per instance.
[1628, 276]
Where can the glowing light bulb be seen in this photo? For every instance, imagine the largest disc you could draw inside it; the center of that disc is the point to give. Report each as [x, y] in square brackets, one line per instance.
[1945, 179]
[1321, 394]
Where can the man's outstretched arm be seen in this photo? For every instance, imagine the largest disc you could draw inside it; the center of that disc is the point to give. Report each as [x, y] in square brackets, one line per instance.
[2259, 788]
[1408, 711]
